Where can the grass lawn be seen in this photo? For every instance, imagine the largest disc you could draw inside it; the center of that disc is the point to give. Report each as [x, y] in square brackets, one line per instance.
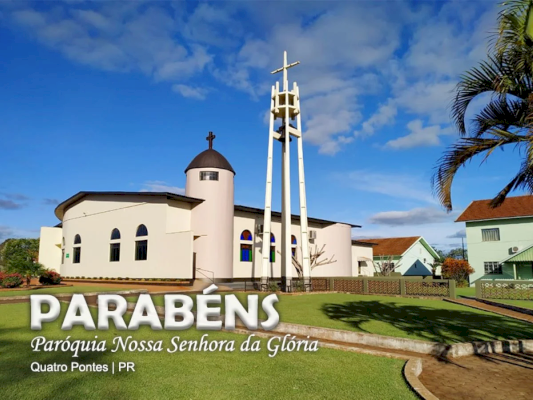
[431, 320]
[54, 290]
[466, 291]
[324, 374]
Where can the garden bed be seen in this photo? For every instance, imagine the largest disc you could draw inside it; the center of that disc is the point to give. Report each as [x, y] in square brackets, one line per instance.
[33, 287]
[137, 281]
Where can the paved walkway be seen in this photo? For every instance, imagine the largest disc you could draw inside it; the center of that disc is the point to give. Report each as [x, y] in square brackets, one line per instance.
[486, 377]
[498, 310]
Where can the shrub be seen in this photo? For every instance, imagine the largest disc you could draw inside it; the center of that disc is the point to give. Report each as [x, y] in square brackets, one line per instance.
[459, 270]
[50, 278]
[11, 280]
[297, 286]
[273, 286]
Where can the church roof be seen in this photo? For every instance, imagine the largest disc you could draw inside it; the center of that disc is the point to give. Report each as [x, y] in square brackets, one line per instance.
[210, 159]
[62, 207]
[294, 218]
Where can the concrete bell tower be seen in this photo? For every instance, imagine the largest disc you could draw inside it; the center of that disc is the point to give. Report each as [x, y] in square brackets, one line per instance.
[210, 178]
[285, 105]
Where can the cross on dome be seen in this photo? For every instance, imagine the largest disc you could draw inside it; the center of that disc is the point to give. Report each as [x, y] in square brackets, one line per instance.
[210, 139]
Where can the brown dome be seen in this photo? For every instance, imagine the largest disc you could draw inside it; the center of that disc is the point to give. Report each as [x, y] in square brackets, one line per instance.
[210, 159]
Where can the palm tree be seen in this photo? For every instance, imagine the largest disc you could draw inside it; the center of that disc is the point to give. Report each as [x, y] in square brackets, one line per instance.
[507, 118]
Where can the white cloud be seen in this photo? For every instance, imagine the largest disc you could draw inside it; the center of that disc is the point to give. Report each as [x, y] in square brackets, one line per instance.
[161, 186]
[415, 216]
[396, 185]
[384, 116]
[441, 46]
[411, 56]
[190, 92]
[117, 37]
[419, 136]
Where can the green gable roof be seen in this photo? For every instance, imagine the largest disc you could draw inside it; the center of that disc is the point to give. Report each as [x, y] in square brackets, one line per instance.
[525, 255]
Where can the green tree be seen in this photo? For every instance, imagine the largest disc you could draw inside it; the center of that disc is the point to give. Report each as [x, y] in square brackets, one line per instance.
[457, 254]
[506, 119]
[20, 255]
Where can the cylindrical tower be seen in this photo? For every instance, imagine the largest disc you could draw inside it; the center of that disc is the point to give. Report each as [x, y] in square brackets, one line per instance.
[210, 178]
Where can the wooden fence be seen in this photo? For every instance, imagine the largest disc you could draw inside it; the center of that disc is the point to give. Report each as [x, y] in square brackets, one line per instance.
[500, 289]
[398, 286]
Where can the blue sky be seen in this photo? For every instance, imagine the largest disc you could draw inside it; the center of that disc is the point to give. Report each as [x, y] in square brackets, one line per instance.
[120, 96]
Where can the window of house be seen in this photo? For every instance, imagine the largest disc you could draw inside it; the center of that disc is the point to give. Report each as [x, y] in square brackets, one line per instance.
[490, 235]
[246, 249]
[141, 250]
[141, 231]
[294, 242]
[272, 254]
[209, 175]
[114, 252]
[246, 235]
[115, 234]
[246, 252]
[359, 267]
[272, 248]
[62, 256]
[77, 255]
[141, 246]
[77, 250]
[492, 268]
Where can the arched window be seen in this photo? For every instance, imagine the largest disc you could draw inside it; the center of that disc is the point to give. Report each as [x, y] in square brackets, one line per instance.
[115, 234]
[141, 246]
[246, 249]
[272, 248]
[246, 235]
[63, 251]
[142, 231]
[294, 242]
[76, 257]
[114, 247]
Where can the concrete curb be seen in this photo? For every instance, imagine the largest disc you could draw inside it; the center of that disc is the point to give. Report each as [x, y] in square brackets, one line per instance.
[411, 371]
[6, 299]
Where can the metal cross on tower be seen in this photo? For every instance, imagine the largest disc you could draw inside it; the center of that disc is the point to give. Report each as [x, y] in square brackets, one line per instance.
[210, 139]
[285, 105]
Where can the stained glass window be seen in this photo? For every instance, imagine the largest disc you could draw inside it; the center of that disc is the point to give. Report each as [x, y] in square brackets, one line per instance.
[246, 252]
[246, 235]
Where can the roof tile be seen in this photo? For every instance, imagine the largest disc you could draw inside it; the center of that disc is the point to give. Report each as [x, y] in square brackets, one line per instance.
[391, 246]
[519, 206]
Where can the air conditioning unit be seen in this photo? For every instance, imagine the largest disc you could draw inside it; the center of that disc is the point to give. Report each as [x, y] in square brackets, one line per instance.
[259, 229]
[514, 249]
[312, 235]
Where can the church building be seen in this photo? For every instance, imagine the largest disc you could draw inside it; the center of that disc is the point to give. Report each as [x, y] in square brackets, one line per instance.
[199, 235]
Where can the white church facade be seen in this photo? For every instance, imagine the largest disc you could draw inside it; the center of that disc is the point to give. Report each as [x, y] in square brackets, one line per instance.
[201, 234]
